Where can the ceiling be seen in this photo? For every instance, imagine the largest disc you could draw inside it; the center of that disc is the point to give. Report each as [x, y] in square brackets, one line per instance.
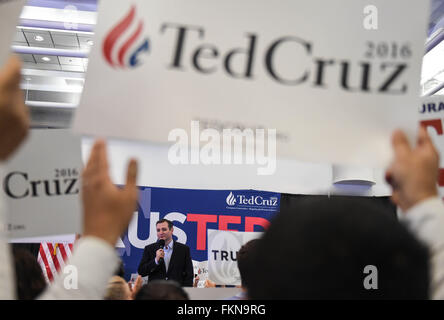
[54, 37]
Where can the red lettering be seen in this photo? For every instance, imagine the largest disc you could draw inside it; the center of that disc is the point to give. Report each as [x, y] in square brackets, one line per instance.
[441, 178]
[202, 220]
[250, 222]
[225, 220]
[435, 123]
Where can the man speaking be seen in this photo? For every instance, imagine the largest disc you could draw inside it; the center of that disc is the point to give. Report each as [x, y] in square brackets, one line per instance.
[167, 259]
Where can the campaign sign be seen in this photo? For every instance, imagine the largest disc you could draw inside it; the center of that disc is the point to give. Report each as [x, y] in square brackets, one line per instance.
[9, 14]
[328, 81]
[41, 185]
[222, 255]
[431, 115]
[193, 212]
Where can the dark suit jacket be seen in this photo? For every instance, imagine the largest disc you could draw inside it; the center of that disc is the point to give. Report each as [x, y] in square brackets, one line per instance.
[180, 268]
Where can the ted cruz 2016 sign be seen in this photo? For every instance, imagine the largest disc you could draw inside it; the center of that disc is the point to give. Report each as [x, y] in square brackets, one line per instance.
[332, 88]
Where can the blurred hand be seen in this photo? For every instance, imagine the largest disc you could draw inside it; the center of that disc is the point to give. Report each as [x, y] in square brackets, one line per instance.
[413, 173]
[107, 208]
[209, 284]
[14, 117]
[136, 287]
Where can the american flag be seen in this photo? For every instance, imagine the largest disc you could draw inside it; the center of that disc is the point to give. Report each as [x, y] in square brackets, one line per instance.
[52, 258]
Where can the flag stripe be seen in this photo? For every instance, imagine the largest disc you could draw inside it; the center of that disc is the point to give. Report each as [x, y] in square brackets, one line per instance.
[54, 258]
[59, 257]
[47, 268]
[63, 252]
[48, 256]
[52, 264]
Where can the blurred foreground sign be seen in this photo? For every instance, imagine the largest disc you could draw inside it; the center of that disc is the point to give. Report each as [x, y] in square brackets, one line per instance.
[9, 14]
[41, 185]
[333, 78]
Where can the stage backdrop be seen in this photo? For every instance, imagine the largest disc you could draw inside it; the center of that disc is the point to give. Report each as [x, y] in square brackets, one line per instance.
[193, 212]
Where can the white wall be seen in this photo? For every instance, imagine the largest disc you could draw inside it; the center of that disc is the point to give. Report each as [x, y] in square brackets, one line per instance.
[290, 176]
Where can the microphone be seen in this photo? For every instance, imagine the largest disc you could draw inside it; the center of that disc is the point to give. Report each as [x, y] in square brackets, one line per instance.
[161, 245]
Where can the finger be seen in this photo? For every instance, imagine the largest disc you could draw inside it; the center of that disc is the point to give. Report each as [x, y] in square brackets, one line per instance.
[102, 157]
[94, 156]
[131, 174]
[10, 76]
[400, 144]
[423, 137]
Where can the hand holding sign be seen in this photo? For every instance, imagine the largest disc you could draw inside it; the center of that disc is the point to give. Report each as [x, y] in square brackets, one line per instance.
[14, 118]
[107, 209]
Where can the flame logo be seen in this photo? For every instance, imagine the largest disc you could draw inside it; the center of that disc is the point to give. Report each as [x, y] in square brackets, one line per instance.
[231, 200]
[116, 33]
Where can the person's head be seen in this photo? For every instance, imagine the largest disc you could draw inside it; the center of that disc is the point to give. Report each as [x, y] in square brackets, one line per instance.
[162, 290]
[327, 245]
[29, 275]
[164, 229]
[120, 271]
[242, 258]
[117, 289]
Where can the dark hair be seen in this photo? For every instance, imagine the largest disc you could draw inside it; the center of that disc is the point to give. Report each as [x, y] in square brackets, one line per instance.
[242, 258]
[162, 290]
[30, 281]
[170, 224]
[319, 251]
[120, 271]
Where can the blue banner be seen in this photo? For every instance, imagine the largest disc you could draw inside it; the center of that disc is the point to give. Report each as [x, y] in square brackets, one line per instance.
[193, 212]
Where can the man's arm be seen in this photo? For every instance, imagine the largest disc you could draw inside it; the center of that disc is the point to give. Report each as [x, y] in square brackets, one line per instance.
[188, 269]
[147, 264]
[413, 175]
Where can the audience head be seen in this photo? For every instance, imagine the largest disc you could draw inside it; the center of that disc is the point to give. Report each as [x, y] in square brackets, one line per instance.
[320, 250]
[120, 271]
[29, 275]
[117, 289]
[162, 290]
[242, 258]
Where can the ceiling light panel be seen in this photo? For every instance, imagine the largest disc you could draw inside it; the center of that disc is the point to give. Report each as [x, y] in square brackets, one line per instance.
[65, 41]
[19, 38]
[71, 61]
[32, 37]
[85, 41]
[26, 57]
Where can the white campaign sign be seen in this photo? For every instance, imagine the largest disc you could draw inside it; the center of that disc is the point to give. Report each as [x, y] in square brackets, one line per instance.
[334, 78]
[9, 14]
[222, 255]
[41, 185]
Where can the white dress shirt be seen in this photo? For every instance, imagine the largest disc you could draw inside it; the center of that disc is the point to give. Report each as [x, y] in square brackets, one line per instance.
[168, 250]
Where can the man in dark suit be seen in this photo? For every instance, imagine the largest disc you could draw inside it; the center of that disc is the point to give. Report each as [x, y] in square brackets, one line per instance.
[172, 262]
